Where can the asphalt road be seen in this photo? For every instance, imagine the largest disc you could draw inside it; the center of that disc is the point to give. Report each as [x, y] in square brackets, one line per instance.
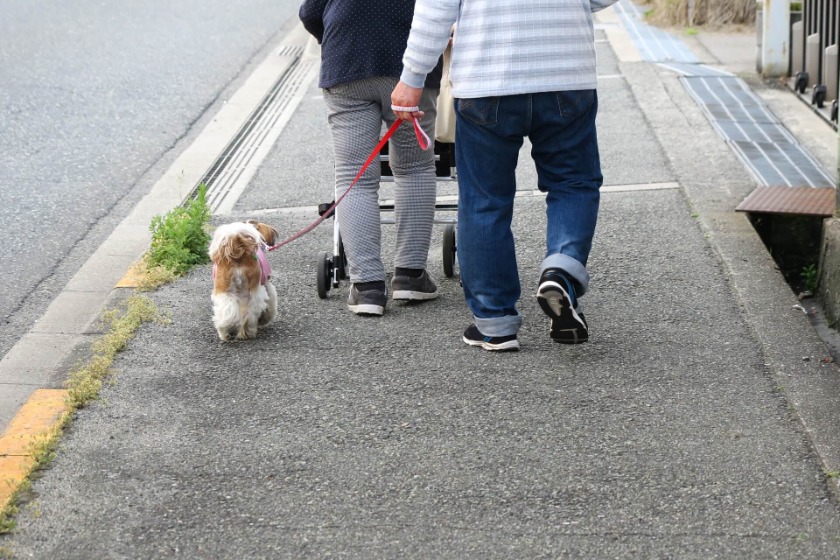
[95, 99]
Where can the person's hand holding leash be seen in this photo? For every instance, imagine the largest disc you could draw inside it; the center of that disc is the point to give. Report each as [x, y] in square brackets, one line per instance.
[405, 101]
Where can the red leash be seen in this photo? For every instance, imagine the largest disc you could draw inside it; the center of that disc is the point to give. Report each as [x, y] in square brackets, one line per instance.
[422, 139]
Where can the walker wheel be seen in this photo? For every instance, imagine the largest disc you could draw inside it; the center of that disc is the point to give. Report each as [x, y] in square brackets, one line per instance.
[323, 274]
[449, 250]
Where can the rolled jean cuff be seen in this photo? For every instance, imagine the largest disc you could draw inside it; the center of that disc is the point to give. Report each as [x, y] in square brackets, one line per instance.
[499, 326]
[570, 266]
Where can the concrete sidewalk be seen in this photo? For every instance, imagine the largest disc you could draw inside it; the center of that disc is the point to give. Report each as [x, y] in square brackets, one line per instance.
[700, 421]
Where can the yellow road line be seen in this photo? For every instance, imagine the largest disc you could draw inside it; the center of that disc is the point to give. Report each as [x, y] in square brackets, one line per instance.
[34, 421]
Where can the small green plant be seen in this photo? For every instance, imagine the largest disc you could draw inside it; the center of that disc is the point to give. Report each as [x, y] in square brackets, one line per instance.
[832, 474]
[810, 274]
[180, 238]
[691, 31]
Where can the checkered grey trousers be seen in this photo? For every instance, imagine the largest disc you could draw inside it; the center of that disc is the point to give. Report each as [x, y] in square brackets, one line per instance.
[356, 112]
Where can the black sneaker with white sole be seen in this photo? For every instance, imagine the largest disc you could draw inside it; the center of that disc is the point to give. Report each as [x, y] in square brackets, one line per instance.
[368, 298]
[556, 296]
[473, 337]
[406, 288]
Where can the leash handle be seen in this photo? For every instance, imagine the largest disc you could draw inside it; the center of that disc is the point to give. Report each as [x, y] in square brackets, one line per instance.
[422, 139]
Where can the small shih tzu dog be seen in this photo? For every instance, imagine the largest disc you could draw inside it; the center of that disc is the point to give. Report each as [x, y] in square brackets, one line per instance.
[243, 295]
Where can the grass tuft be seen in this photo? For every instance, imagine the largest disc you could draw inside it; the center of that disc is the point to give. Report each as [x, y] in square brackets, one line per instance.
[179, 242]
[85, 380]
[83, 386]
[150, 278]
[42, 451]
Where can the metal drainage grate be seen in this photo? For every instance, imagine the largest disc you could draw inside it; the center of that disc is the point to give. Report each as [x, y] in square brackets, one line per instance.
[212, 175]
[726, 98]
[226, 176]
[763, 144]
[782, 165]
[765, 147]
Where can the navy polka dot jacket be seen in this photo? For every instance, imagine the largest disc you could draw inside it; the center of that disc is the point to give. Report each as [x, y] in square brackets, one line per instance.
[361, 38]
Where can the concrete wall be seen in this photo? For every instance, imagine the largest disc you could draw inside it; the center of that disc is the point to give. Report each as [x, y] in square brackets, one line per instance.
[829, 283]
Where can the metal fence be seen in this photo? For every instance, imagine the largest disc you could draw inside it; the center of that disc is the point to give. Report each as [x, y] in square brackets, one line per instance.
[814, 63]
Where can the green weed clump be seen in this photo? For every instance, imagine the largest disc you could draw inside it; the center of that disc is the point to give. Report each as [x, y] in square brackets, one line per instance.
[180, 238]
[85, 381]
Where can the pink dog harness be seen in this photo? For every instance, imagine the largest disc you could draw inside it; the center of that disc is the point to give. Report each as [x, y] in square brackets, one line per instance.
[265, 267]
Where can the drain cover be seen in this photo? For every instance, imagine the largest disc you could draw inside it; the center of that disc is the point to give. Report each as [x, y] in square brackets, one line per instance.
[785, 200]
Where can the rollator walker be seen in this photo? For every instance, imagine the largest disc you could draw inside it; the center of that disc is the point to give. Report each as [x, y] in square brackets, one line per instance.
[331, 268]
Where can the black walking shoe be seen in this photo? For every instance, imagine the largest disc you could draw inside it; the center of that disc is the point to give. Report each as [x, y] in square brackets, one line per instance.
[367, 300]
[406, 288]
[473, 337]
[556, 296]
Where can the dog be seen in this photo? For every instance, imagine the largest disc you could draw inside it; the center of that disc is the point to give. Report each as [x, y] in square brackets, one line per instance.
[243, 296]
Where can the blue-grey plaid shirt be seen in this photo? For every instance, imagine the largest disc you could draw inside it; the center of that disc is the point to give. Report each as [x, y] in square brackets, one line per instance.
[505, 47]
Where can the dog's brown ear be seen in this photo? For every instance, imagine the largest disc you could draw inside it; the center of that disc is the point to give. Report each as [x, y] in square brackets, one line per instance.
[238, 246]
[268, 233]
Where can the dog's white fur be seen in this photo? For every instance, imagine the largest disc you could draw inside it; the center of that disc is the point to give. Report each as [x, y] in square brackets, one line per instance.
[240, 302]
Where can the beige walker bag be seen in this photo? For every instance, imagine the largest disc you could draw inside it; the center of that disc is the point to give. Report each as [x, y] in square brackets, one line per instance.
[445, 121]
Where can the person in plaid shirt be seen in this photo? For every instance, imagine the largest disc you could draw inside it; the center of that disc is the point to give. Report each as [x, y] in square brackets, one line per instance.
[520, 68]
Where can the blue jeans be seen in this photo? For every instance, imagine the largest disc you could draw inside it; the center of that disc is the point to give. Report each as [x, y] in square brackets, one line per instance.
[490, 132]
